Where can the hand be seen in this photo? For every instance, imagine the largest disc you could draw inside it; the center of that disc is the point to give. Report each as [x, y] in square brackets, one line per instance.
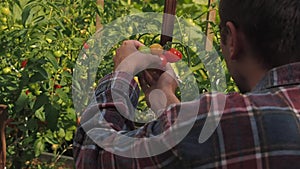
[159, 89]
[129, 59]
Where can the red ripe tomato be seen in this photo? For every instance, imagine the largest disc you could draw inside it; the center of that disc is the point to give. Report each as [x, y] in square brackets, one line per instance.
[86, 46]
[27, 92]
[173, 55]
[24, 63]
[57, 86]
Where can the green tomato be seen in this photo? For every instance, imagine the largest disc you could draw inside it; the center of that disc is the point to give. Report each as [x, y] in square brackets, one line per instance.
[2, 27]
[5, 11]
[4, 20]
[144, 49]
[49, 40]
[6, 70]
[37, 92]
[34, 86]
[191, 22]
[58, 53]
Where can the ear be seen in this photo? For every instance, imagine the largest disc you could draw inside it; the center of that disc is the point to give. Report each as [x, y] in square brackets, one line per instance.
[233, 41]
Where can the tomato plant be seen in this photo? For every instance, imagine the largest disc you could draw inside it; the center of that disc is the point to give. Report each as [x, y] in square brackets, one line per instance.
[40, 41]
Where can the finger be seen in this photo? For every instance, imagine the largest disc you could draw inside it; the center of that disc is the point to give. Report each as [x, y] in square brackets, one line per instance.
[125, 42]
[143, 83]
[134, 43]
[170, 73]
[118, 52]
[148, 78]
[137, 44]
[170, 70]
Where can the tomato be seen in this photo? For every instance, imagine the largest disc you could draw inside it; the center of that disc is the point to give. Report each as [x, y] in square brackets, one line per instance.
[37, 92]
[6, 70]
[58, 53]
[24, 63]
[27, 92]
[144, 49]
[2, 27]
[49, 40]
[191, 22]
[86, 46]
[5, 11]
[173, 55]
[156, 49]
[83, 31]
[57, 86]
[4, 20]
[54, 147]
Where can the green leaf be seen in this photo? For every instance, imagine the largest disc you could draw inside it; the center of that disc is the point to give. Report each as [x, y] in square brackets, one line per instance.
[49, 137]
[39, 146]
[52, 59]
[25, 14]
[51, 116]
[69, 135]
[37, 77]
[40, 101]
[40, 114]
[62, 95]
[21, 102]
[59, 23]
[32, 124]
[61, 133]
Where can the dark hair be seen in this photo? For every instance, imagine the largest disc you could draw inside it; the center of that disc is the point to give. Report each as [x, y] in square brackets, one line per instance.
[272, 27]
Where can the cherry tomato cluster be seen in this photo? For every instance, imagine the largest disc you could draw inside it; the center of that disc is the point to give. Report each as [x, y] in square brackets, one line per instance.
[172, 55]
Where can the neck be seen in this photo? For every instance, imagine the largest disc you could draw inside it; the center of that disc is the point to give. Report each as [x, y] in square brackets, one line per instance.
[253, 73]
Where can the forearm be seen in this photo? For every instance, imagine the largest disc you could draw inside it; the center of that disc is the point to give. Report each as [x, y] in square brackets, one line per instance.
[103, 124]
[115, 97]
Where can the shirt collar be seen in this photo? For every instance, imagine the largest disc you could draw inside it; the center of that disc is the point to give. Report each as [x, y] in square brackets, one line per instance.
[285, 75]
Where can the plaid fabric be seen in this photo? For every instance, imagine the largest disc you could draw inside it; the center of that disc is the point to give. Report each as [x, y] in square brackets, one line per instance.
[257, 130]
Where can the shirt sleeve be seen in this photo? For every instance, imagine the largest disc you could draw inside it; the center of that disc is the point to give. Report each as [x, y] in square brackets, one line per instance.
[111, 112]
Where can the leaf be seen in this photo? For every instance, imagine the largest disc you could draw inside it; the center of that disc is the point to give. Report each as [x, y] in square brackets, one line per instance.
[32, 124]
[25, 14]
[37, 77]
[21, 102]
[42, 72]
[40, 114]
[62, 95]
[51, 116]
[49, 137]
[38, 19]
[69, 135]
[40, 101]
[39, 146]
[52, 60]
[61, 133]
[59, 23]
[24, 79]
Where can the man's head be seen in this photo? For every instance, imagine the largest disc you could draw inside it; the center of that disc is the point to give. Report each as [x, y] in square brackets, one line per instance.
[267, 30]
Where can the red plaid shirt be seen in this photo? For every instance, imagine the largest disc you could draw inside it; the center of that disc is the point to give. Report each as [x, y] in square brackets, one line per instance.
[260, 129]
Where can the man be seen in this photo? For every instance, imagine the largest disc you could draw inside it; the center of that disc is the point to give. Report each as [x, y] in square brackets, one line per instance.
[258, 129]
